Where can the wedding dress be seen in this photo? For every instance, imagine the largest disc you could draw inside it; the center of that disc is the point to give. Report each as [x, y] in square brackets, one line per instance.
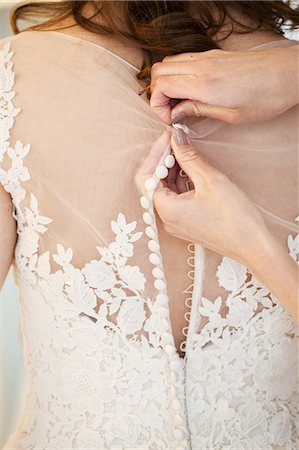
[134, 339]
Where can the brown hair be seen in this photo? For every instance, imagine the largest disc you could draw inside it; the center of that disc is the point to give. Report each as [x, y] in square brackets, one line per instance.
[162, 28]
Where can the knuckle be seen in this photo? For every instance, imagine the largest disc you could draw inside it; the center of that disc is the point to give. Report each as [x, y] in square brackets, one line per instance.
[155, 67]
[200, 109]
[188, 154]
[159, 82]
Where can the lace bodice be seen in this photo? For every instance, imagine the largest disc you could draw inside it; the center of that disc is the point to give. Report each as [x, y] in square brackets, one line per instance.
[132, 339]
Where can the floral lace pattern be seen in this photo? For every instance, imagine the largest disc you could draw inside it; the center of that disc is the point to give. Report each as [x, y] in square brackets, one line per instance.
[97, 381]
[242, 384]
[111, 378]
[117, 382]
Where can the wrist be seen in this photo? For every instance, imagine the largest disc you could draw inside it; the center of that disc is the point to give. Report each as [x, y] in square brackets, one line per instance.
[267, 248]
[258, 247]
[270, 251]
[277, 271]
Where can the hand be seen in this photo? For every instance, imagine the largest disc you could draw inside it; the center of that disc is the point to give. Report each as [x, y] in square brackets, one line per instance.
[216, 213]
[219, 216]
[231, 86]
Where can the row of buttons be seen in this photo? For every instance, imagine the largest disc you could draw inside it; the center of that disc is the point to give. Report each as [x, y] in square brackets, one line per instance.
[175, 363]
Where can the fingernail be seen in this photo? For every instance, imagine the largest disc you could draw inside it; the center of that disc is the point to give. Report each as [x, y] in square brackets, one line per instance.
[178, 117]
[180, 137]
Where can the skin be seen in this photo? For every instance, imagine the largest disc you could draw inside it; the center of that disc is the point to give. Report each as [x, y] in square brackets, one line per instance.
[222, 85]
[219, 216]
[8, 234]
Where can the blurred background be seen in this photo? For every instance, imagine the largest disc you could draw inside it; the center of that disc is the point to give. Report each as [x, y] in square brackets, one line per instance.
[11, 358]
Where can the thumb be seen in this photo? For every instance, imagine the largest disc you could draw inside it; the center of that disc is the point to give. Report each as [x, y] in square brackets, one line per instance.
[193, 108]
[164, 200]
[189, 158]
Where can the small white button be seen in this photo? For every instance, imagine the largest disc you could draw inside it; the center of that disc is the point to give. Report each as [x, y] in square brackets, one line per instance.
[163, 312]
[144, 202]
[178, 434]
[150, 232]
[153, 245]
[176, 404]
[151, 184]
[178, 420]
[154, 258]
[169, 161]
[172, 376]
[167, 338]
[163, 299]
[164, 324]
[159, 285]
[147, 218]
[157, 273]
[161, 172]
[175, 365]
[170, 349]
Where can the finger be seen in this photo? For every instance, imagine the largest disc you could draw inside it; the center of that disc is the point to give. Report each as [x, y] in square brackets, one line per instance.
[190, 159]
[169, 87]
[159, 150]
[172, 178]
[194, 56]
[199, 109]
[172, 68]
[164, 200]
[188, 56]
[169, 204]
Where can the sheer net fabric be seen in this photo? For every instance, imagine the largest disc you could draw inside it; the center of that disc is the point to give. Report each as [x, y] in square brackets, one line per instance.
[93, 131]
[103, 346]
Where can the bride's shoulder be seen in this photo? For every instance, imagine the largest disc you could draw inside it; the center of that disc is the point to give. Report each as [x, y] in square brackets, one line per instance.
[18, 38]
[26, 43]
[6, 41]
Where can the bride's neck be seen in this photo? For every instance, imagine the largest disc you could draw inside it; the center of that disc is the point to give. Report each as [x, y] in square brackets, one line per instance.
[227, 41]
[229, 38]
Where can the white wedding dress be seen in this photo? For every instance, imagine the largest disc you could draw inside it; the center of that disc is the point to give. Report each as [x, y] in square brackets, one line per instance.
[132, 338]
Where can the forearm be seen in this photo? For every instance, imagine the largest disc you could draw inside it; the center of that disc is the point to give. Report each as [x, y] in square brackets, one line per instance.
[278, 272]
